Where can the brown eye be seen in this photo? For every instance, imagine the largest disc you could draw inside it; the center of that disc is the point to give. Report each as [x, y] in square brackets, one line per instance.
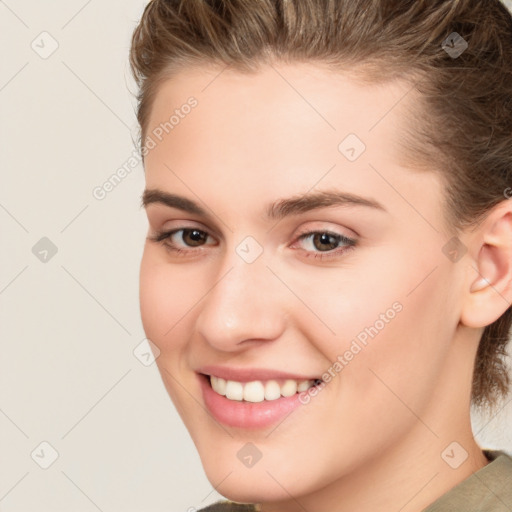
[183, 240]
[324, 244]
[324, 241]
[193, 237]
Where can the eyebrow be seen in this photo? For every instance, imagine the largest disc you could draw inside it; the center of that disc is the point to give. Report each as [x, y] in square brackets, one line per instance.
[277, 210]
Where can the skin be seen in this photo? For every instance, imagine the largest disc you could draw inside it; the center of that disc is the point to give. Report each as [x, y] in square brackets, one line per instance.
[383, 422]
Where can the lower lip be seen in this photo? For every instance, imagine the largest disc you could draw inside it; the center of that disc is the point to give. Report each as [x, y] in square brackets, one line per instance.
[242, 414]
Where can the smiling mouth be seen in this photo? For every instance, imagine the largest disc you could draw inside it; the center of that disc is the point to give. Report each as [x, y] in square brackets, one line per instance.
[258, 390]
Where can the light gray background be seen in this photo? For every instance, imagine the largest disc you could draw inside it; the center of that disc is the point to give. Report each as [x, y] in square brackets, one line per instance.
[69, 325]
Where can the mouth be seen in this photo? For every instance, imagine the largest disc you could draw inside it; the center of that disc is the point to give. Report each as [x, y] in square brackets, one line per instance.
[254, 398]
[256, 391]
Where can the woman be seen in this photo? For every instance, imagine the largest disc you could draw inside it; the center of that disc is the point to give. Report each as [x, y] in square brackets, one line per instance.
[328, 269]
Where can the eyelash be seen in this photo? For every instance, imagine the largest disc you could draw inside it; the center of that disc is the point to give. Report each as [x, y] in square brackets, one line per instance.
[163, 238]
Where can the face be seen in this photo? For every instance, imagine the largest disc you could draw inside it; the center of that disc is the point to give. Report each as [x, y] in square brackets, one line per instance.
[288, 247]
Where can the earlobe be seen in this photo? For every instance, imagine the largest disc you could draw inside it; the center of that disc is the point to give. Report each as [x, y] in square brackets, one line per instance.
[489, 294]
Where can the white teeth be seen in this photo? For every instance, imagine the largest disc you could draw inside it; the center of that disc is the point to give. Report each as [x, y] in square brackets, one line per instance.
[256, 390]
[289, 388]
[272, 390]
[218, 384]
[303, 385]
[234, 390]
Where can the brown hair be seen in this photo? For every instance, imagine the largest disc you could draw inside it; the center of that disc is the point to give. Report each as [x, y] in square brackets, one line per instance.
[464, 102]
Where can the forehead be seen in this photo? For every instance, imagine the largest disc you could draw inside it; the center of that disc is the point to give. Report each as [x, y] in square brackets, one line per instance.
[288, 125]
[284, 95]
[301, 101]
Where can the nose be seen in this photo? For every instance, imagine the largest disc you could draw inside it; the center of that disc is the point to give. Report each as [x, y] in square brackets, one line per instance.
[244, 304]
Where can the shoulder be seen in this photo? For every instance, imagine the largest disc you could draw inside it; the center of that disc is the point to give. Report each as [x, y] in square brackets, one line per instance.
[229, 506]
[487, 490]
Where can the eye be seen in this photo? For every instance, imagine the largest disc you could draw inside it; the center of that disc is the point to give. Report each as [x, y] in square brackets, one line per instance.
[327, 242]
[189, 237]
[192, 237]
[318, 244]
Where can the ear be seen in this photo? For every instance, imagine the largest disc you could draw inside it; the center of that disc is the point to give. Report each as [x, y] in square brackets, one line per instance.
[489, 284]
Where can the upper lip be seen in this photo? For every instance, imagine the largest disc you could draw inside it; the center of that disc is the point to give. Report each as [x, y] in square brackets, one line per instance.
[250, 374]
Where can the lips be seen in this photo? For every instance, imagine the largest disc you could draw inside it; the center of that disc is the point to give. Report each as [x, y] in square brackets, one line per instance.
[249, 414]
[252, 374]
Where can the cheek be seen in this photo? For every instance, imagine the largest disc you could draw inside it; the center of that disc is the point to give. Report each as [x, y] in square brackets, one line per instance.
[394, 320]
[361, 299]
[402, 359]
[167, 294]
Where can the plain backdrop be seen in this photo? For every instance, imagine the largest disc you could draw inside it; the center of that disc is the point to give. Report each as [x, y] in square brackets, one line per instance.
[85, 421]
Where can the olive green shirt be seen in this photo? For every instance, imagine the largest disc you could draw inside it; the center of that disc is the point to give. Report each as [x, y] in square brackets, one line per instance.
[487, 490]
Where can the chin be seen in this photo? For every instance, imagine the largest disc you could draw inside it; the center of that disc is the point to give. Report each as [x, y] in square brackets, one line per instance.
[269, 480]
[243, 488]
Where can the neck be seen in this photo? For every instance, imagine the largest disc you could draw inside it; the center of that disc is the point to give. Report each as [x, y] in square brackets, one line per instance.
[407, 478]
[437, 453]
